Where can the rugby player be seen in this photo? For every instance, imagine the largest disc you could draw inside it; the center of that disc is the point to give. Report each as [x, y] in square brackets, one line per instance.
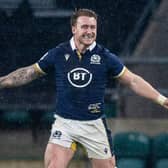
[81, 67]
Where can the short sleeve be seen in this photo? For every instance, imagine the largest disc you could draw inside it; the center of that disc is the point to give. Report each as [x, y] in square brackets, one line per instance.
[115, 66]
[47, 62]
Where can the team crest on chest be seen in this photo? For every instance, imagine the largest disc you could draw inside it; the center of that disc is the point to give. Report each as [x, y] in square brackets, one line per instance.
[95, 59]
[67, 56]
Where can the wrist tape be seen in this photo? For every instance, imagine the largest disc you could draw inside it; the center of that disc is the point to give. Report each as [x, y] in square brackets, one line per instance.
[161, 100]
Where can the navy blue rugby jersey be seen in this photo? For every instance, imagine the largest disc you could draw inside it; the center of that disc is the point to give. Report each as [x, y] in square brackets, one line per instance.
[80, 83]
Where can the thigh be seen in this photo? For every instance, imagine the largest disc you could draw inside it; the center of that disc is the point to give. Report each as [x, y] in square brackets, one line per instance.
[96, 138]
[61, 135]
[104, 163]
[57, 156]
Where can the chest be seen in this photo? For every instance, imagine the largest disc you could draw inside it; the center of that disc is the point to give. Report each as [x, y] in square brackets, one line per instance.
[81, 72]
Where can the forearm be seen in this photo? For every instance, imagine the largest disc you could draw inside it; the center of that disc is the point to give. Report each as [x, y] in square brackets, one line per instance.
[19, 77]
[143, 88]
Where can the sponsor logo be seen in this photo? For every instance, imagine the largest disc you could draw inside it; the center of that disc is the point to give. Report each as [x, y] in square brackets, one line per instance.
[79, 77]
[95, 59]
[66, 57]
[57, 134]
[105, 150]
[94, 108]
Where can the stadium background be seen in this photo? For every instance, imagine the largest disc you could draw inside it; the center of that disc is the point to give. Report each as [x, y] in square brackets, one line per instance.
[135, 30]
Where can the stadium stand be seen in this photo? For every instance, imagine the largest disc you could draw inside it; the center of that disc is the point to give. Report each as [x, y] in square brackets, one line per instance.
[160, 145]
[15, 119]
[47, 119]
[131, 163]
[132, 144]
[132, 149]
[162, 163]
[160, 150]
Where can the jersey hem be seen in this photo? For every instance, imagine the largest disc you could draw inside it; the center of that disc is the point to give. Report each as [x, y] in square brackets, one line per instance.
[38, 69]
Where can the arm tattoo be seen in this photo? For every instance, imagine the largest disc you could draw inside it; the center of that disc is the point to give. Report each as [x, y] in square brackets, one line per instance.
[19, 77]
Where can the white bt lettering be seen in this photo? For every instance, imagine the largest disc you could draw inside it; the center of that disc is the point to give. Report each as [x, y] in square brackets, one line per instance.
[79, 77]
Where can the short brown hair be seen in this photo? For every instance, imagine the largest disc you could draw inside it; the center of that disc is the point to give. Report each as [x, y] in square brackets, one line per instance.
[82, 12]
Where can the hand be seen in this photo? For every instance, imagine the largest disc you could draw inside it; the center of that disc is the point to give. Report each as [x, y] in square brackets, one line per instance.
[165, 104]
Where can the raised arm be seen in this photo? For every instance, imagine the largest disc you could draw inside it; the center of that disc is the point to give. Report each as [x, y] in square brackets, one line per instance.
[142, 88]
[20, 77]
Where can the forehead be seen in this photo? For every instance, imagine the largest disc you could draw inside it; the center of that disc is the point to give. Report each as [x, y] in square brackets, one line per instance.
[86, 20]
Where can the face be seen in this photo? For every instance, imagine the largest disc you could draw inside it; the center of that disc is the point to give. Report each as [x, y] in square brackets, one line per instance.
[85, 30]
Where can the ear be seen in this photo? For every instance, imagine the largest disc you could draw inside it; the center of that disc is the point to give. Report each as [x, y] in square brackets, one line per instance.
[73, 29]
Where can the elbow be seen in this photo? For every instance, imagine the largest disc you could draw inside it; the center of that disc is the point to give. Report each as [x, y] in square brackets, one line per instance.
[6, 83]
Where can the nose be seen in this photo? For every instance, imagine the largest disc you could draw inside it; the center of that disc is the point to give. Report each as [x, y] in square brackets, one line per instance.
[89, 30]
[90, 27]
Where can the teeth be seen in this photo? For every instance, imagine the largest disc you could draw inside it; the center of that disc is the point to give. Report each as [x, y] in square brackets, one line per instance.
[87, 37]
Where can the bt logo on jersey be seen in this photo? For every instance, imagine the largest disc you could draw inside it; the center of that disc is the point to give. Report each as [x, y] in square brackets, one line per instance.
[79, 77]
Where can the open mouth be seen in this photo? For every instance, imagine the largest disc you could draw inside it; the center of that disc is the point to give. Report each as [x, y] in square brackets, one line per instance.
[88, 37]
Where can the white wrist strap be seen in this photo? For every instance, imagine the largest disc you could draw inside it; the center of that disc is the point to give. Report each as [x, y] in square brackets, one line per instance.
[161, 100]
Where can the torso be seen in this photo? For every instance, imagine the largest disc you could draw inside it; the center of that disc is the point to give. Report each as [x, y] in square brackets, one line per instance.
[80, 83]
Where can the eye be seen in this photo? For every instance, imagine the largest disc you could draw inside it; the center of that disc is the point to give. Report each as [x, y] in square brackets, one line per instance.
[84, 26]
[93, 27]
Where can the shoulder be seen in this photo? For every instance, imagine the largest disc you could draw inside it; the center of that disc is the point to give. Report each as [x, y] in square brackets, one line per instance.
[106, 52]
[63, 46]
[60, 47]
[52, 53]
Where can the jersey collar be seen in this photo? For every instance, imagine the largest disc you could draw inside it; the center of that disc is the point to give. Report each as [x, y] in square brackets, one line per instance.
[90, 48]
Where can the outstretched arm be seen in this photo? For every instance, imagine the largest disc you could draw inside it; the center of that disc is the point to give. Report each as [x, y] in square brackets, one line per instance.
[142, 88]
[20, 77]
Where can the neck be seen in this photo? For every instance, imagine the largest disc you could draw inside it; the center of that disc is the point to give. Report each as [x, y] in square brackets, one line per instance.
[80, 47]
